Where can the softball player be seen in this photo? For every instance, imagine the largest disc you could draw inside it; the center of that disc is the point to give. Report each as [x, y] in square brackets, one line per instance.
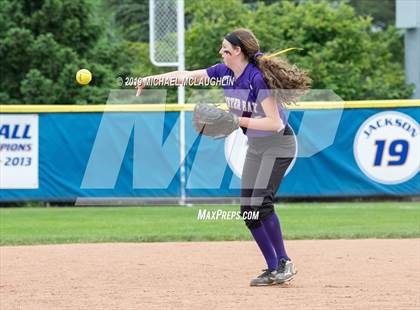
[271, 143]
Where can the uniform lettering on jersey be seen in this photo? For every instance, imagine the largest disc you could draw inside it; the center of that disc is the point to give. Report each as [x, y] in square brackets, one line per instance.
[241, 105]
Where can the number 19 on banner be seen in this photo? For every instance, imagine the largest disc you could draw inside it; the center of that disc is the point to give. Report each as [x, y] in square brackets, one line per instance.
[387, 147]
[397, 149]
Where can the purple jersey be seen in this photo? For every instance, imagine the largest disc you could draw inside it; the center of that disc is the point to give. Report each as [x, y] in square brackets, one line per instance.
[245, 95]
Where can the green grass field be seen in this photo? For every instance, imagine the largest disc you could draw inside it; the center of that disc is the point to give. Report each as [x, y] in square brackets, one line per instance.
[147, 224]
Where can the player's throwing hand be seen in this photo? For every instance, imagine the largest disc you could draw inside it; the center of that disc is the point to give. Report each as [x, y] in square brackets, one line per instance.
[140, 86]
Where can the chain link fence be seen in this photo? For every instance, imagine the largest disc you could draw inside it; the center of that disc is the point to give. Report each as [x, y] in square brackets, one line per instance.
[164, 46]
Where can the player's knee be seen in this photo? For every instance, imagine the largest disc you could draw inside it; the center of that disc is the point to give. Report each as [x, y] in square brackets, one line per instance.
[250, 216]
[253, 216]
[252, 224]
[265, 210]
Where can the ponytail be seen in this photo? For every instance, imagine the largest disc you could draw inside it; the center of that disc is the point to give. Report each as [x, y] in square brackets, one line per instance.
[288, 81]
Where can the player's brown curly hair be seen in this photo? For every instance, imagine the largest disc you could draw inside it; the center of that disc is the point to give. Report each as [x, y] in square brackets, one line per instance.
[278, 73]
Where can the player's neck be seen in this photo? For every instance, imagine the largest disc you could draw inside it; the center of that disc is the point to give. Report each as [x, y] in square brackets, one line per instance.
[239, 68]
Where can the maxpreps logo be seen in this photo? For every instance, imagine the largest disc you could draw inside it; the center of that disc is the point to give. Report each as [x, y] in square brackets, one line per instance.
[387, 147]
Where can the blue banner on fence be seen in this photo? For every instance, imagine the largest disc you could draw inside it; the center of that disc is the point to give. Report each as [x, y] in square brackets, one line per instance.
[137, 154]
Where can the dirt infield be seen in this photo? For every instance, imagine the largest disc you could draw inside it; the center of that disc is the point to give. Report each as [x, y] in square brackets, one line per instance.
[333, 274]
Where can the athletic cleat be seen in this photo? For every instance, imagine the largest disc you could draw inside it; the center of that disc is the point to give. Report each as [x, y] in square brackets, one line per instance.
[285, 272]
[266, 278]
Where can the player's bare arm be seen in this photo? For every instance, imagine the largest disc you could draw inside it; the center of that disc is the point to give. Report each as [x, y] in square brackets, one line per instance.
[272, 121]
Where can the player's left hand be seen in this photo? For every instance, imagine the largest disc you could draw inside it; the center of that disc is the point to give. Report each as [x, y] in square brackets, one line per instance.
[214, 122]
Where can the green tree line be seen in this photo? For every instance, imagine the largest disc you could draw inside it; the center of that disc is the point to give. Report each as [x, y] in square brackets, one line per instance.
[43, 44]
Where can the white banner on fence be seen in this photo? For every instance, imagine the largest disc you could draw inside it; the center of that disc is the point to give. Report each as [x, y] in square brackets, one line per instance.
[18, 151]
[386, 147]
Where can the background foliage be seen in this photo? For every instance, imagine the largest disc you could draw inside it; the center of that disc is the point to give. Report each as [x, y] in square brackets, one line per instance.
[43, 43]
[342, 50]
